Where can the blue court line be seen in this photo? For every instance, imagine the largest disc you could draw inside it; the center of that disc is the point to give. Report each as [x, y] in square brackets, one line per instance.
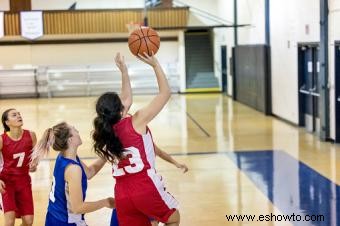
[292, 186]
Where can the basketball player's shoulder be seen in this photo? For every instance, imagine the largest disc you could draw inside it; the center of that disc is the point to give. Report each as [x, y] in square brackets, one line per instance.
[72, 170]
[30, 132]
[33, 136]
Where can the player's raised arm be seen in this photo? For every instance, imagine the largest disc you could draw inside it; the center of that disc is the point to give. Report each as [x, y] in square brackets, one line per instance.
[143, 116]
[126, 92]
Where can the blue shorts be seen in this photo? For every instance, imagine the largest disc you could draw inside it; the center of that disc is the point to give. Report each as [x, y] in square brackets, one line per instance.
[114, 219]
[52, 221]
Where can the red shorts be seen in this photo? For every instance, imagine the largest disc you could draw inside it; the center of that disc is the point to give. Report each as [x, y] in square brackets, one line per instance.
[18, 195]
[141, 197]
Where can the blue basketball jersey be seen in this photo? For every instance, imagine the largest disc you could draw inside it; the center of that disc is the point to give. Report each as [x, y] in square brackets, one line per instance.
[59, 204]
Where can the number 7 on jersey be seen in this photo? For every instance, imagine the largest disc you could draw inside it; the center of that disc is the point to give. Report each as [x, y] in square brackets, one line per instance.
[21, 157]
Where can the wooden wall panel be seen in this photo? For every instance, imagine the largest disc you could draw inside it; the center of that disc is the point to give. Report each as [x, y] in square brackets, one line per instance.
[12, 24]
[20, 5]
[99, 21]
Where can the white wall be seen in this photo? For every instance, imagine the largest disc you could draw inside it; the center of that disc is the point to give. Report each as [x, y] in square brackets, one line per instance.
[14, 56]
[334, 35]
[76, 54]
[4, 5]
[224, 36]
[85, 4]
[181, 61]
[251, 12]
[210, 6]
[287, 23]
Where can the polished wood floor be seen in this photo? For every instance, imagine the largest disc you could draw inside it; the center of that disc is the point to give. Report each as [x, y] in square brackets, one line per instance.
[198, 130]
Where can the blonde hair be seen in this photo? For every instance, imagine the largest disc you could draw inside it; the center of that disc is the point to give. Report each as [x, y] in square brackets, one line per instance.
[55, 137]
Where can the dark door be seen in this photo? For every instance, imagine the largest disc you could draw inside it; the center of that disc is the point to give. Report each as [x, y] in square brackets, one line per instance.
[224, 69]
[337, 93]
[308, 88]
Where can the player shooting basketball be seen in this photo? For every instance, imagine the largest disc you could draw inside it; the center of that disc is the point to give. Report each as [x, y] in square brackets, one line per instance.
[126, 142]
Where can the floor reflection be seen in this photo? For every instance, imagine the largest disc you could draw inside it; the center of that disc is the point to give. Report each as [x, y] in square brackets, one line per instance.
[292, 186]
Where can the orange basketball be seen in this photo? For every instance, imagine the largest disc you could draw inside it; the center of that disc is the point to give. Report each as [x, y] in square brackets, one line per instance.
[144, 39]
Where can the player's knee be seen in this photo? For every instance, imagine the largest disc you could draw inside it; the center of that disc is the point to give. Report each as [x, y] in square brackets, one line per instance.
[27, 221]
[9, 222]
[174, 218]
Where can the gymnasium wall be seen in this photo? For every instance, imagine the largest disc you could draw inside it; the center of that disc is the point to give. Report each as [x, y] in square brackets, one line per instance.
[334, 35]
[224, 36]
[4, 5]
[75, 54]
[289, 20]
[86, 4]
[65, 54]
[251, 12]
[211, 7]
[287, 30]
[15, 57]
[292, 22]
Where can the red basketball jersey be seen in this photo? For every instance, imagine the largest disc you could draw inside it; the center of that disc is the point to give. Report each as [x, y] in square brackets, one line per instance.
[15, 155]
[139, 150]
[139, 191]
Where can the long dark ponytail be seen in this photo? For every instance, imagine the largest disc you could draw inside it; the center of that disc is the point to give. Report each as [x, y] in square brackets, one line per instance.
[106, 144]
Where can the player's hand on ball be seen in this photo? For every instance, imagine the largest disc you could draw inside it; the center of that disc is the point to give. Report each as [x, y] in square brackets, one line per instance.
[151, 60]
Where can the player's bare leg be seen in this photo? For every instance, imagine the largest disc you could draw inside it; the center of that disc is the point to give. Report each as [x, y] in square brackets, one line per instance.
[9, 218]
[174, 219]
[27, 220]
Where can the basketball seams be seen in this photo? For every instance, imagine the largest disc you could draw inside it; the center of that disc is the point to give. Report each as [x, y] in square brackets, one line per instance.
[134, 41]
[135, 33]
[152, 42]
[140, 44]
[152, 35]
[146, 44]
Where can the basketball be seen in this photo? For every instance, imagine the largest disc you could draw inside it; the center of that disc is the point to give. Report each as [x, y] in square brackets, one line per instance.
[144, 39]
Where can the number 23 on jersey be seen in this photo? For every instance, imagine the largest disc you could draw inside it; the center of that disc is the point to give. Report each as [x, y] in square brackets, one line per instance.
[135, 160]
